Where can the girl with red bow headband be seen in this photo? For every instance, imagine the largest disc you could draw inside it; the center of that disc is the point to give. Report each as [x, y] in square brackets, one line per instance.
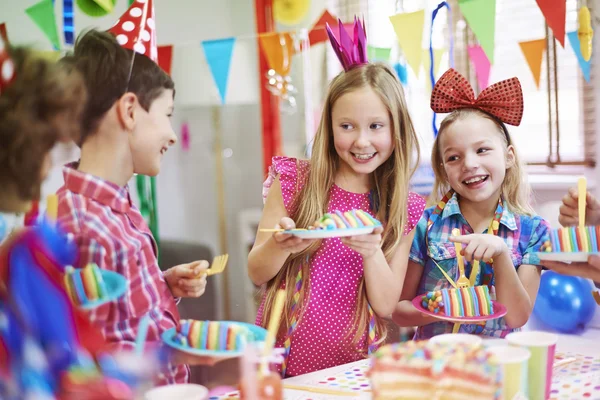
[339, 291]
[485, 196]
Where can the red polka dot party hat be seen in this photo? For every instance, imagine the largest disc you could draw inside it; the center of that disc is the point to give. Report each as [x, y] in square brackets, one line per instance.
[136, 29]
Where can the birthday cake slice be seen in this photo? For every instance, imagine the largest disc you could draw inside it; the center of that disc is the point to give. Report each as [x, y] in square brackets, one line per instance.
[424, 370]
[473, 301]
[573, 239]
[212, 335]
[85, 285]
[345, 220]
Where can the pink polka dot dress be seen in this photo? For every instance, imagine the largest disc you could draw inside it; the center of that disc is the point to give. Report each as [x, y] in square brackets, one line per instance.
[321, 338]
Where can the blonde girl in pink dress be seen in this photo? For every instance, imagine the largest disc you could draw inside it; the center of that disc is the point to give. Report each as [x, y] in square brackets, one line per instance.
[340, 291]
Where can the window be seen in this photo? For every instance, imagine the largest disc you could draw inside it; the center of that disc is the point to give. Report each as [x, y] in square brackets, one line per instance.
[545, 129]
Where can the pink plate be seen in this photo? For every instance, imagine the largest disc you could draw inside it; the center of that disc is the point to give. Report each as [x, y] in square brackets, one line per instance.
[499, 312]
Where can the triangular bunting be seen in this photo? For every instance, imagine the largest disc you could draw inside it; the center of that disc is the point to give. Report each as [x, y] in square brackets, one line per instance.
[585, 65]
[481, 17]
[278, 49]
[3, 33]
[409, 30]
[42, 14]
[107, 5]
[555, 12]
[165, 55]
[317, 33]
[481, 64]
[534, 52]
[218, 56]
[378, 53]
[402, 73]
[437, 60]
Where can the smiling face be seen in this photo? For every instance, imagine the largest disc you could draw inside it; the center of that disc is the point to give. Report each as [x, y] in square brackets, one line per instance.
[153, 134]
[475, 158]
[362, 131]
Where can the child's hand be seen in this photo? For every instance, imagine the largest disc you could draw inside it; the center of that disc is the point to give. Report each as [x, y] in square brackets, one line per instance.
[569, 210]
[287, 242]
[187, 280]
[482, 247]
[365, 245]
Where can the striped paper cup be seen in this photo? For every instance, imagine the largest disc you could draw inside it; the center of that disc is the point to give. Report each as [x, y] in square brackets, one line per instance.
[513, 362]
[542, 346]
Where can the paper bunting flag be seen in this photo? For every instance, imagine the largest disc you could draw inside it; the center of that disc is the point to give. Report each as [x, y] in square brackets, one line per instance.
[481, 64]
[278, 49]
[401, 72]
[3, 33]
[42, 14]
[437, 60]
[317, 33]
[409, 30]
[481, 17]
[585, 33]
[534, 52]
[185, 136]
[96, 8]
[585, 65]
[165, 57]
[555, 12]
[218, 56]
[378, 53]
[136, 29]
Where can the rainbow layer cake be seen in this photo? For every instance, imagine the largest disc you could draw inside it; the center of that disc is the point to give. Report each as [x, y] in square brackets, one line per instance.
[573, 239]
[346, 220]
[212, 335]
[472, 301]
[85, 285]
[443, 371]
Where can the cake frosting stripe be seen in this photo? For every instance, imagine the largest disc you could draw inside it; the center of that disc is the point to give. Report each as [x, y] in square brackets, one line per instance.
[89, 283]
[476, 309]
[358, 221]
[593, 239]
[447, 302]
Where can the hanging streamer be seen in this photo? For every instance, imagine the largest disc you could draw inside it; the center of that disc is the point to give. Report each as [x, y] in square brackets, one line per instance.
[451, 54]
[68, 29]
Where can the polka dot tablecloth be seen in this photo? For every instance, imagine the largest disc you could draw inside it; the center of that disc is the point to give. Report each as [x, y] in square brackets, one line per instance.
[578, 379]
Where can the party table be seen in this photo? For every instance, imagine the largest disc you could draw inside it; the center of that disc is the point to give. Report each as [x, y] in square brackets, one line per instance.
[576, 376]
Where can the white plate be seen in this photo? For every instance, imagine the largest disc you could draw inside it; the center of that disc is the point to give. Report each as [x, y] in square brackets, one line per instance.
[565, 257]
[330, 233]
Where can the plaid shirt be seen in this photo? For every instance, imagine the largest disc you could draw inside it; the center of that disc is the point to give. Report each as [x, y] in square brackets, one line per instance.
[110, 231]
[523, 235]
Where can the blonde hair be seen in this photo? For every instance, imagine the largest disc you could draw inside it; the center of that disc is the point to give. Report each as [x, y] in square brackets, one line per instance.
[515, 188]
[390, 190]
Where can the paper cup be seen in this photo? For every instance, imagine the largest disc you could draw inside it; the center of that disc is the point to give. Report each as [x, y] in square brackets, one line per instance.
[187, 391]
[542, 346]
[513, 362]
[450, 338]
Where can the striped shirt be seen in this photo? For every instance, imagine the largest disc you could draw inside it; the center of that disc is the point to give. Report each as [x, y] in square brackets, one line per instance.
[523, 235]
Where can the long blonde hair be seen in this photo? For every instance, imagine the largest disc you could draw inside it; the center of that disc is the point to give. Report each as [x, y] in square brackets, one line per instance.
[390, 189]
[515, 188]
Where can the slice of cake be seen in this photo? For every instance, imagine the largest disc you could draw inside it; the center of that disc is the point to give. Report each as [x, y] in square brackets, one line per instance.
[346, 220]
[573, 239]
[472, 301]
[423, 370]
[85, 285]
[212, 335]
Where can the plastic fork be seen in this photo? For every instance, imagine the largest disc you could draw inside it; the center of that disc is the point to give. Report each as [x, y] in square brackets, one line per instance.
[218, 265]
[462, 281]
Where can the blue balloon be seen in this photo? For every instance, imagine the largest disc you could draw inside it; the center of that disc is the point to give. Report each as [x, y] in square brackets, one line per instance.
[564, 303]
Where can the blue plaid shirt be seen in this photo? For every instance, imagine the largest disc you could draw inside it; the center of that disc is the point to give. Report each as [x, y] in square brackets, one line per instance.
[523, 235]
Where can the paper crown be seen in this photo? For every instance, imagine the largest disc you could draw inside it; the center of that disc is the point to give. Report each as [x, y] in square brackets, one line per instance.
[7, 66]
[136, 29]
[350, 52]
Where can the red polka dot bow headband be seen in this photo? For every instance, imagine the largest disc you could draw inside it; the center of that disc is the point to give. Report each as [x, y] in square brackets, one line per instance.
[7, 66]
[503, 100]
